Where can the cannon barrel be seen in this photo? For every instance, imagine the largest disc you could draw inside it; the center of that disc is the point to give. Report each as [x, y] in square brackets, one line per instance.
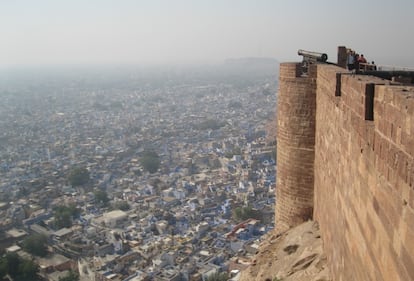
[321, 57]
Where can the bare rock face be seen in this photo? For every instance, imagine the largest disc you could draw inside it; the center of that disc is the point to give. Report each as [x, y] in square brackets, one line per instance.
[294, 255]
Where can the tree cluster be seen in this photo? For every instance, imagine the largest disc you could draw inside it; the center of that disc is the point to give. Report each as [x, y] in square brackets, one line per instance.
[235, 105]
[18, 268]
[36, 245]
[150, 161]
[101, 197]
[78, 176]
[64, 214]
[121, 205]
[210, 124]
[234, 151]
[244, 213]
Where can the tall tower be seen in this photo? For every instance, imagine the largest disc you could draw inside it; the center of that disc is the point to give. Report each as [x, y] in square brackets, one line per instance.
[295, 145]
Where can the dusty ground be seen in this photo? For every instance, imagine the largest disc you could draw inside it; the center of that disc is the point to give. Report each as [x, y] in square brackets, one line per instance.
[295, 255]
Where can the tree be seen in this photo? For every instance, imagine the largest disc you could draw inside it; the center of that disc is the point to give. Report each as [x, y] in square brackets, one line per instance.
[121, 205]
[228, 154]
[210, 124]
[4, 268]
[71, 276]
[63, 219]
[101, 197]
[12, 261]
[150, 161]
[64, 214]
[28, 270]
[36, 245]
[235, 105]
[19, 269]
[215, 164]
[235, 151]
[78, 176]
[244, 213]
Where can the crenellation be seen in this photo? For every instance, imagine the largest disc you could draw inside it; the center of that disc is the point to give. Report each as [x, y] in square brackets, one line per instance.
[290, 71]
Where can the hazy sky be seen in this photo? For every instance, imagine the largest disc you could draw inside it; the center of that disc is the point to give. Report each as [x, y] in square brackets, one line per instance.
[201, 31]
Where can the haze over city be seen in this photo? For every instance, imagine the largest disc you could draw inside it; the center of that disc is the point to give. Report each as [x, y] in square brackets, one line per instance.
[187, 140]
[49, 32]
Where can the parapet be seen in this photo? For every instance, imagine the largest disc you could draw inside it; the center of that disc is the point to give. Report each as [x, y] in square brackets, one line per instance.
[293, 70]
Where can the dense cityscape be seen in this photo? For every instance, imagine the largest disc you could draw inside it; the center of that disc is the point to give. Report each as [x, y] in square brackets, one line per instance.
[136, 174]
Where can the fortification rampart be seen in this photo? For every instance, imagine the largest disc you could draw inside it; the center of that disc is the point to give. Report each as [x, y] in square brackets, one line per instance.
[295, 146]
[362, 168]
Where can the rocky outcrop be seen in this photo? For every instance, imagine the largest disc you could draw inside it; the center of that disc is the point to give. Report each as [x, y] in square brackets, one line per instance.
[294, 255]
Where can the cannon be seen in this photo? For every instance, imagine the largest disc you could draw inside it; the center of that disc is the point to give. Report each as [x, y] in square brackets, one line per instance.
[310, 57]
[313, 56]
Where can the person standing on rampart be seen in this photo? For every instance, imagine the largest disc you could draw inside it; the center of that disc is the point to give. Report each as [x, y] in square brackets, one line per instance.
[350, 60]
[356, 62]
[362, 59]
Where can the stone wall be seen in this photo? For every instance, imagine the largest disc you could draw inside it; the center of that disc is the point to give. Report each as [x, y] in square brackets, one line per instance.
[363, 174]
[295, 146]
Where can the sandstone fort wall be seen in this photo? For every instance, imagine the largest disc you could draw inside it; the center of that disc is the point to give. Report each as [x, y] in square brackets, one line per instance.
[295, 146]
[355, 169]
